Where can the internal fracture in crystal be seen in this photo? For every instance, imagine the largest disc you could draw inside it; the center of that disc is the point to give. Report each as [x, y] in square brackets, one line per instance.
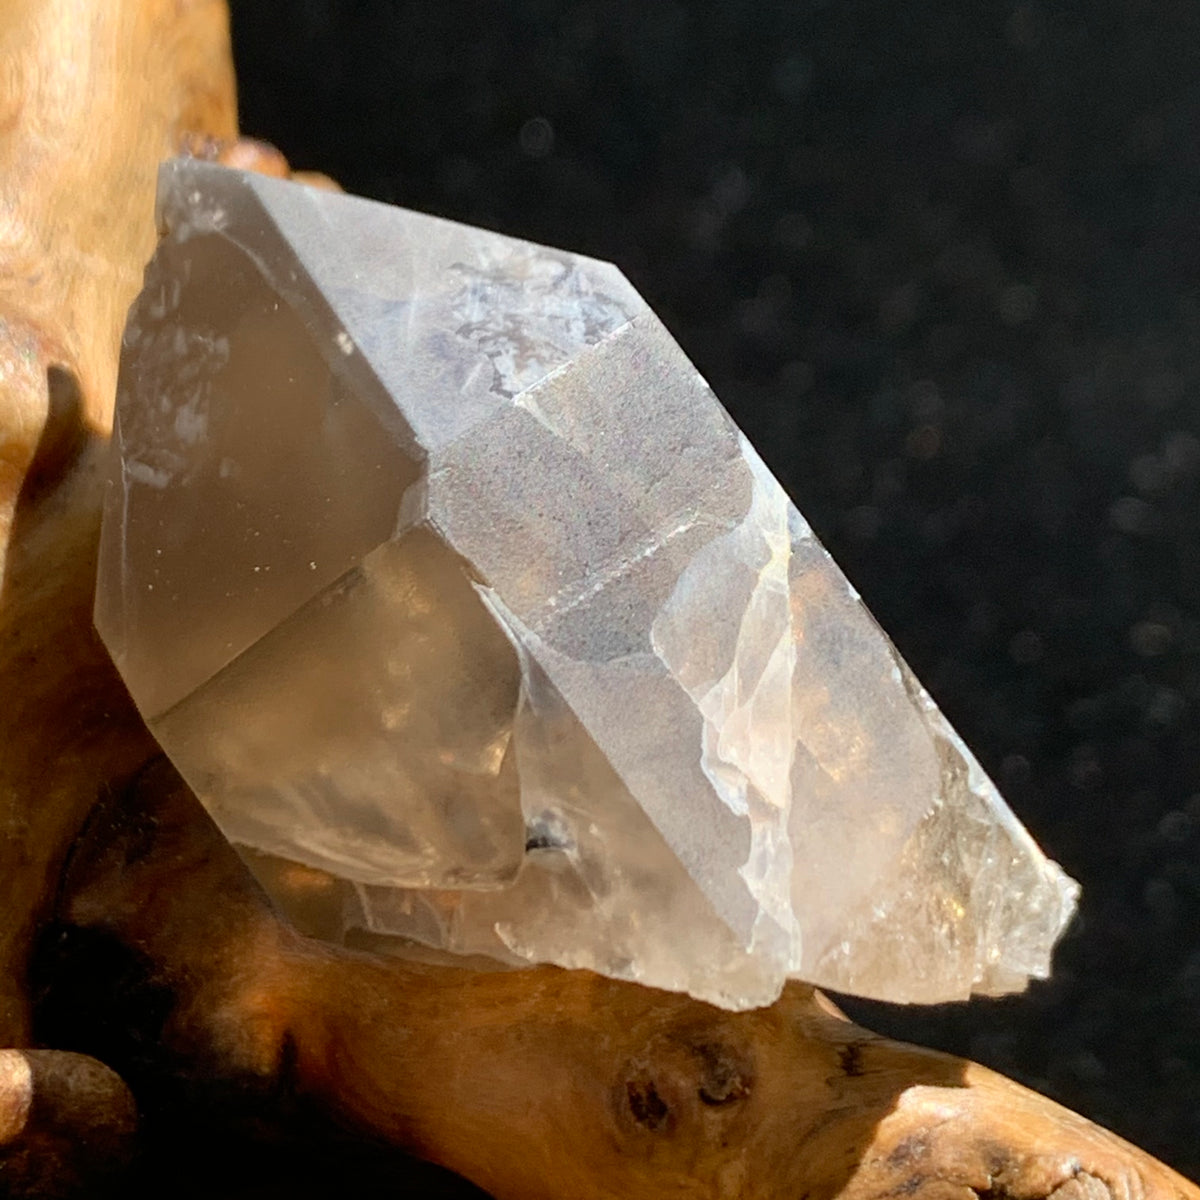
[474, 621]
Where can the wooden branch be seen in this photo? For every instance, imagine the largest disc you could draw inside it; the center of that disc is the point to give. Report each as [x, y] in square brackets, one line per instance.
[67, 1124]
[159, 954]
[96, 93]
[540, 1083]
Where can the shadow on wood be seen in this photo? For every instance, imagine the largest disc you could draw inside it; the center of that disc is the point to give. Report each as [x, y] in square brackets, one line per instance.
[535, 1083]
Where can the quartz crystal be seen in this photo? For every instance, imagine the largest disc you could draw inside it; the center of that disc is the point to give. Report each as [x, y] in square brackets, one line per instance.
[475, 622]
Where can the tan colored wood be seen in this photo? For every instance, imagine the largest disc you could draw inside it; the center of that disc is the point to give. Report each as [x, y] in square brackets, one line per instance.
[546, 1083]
[542, 1083]
[93, 95]
[76, 1128]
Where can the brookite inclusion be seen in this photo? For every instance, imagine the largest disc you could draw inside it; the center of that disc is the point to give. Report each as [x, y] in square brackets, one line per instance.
[474, 621]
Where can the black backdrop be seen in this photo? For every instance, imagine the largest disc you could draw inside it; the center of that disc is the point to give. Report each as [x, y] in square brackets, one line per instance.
[941, 262]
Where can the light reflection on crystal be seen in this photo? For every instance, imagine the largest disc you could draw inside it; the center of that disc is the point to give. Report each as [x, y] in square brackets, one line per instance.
[445, 580]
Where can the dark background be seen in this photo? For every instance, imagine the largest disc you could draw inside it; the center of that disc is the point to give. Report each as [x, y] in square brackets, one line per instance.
[941, 260]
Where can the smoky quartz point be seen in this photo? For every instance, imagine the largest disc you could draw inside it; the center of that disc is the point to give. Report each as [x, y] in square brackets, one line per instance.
[474, 621]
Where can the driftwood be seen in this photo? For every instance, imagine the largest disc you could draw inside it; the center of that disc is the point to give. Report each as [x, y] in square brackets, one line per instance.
[130, 930]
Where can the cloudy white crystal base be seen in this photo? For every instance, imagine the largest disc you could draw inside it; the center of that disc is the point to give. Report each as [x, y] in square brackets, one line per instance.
[451, 588]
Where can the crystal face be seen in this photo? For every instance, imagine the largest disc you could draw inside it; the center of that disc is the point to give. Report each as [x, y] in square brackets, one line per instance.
[474, 621]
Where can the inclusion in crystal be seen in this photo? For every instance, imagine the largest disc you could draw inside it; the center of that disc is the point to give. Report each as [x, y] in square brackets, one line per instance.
[474, 621]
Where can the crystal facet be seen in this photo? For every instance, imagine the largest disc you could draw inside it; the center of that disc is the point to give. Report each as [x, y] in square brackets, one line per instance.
[472, 618]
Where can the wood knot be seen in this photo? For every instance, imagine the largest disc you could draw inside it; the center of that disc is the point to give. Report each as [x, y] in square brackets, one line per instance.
[646, 1106]
[678, 1080]
[850, 1059]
